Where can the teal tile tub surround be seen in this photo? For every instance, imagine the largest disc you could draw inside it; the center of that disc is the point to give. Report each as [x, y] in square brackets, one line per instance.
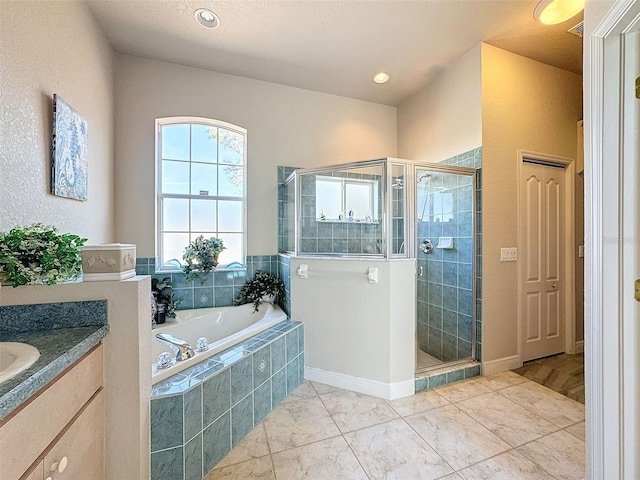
[221, 286]
[199, 414]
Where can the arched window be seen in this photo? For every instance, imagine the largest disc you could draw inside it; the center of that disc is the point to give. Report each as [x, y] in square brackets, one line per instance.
[201, 187]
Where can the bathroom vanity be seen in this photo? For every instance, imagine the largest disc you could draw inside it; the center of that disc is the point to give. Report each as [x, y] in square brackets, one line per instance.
[59, 432]
[52, 414]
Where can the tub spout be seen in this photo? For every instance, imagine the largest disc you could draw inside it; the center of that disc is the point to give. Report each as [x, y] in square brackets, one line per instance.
[182, 349]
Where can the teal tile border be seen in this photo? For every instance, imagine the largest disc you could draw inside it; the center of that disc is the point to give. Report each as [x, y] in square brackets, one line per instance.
[438, 378]
[220, 287]
[232, 400]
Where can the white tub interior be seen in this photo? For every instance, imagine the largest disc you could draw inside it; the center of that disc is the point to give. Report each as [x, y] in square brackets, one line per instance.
[223, 327]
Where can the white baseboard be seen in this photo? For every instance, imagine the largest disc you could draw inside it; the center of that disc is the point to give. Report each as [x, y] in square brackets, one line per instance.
[388, 391]
[501, 365]
[580, 346]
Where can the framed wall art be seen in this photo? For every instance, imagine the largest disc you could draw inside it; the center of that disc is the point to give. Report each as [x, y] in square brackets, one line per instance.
[68, 152]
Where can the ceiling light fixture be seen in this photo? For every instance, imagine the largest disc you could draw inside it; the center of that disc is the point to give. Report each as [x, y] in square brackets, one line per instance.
[552, 12]
[382, 77]
[206, 18]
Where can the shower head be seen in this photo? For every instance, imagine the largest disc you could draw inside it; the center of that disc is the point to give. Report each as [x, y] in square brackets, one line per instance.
[423, 176]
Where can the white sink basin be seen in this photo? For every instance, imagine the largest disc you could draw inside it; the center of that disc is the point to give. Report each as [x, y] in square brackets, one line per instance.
[16, 357]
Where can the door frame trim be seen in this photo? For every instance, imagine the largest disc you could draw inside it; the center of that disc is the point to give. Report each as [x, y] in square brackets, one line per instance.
[569, 246]
[611, 409]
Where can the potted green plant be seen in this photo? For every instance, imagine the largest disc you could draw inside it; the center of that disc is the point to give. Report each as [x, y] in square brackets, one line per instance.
[201, 257]
[258, 290]
[162, 290]
[38, 254]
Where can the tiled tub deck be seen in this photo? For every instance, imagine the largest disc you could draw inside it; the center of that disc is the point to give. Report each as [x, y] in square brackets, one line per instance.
[199, 414]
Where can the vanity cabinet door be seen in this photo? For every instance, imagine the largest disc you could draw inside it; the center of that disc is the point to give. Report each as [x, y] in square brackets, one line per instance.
[79, 453]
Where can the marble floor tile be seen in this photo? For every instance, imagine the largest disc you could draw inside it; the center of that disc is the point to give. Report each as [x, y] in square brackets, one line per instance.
[560, 454]
[255, 469]
[418, 403]
[322, 388]
[456, 437]
[508, 420]
[418, 437]
[550, 405]
[254, 445]
[501, 380]
[393, 450]
[352, 411]
[330, 459]
[292, 424]
[510, 465]
[304, 390]
[456, 392]
[577, 430]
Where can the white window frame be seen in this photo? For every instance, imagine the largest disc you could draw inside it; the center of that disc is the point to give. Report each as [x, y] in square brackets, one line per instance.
[161, 122]
[344, 182]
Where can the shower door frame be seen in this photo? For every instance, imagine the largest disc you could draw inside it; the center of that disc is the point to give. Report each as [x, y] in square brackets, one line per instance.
[412, 236]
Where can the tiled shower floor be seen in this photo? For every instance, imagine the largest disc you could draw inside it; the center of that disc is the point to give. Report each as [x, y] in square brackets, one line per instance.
[424, 360]
[500, 427]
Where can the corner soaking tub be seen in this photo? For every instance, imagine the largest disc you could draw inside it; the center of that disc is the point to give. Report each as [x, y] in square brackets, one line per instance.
[223, 327]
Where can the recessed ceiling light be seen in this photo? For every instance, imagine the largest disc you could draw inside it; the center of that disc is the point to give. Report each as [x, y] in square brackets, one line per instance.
[206, 18]
[382, 77]
[552, 12]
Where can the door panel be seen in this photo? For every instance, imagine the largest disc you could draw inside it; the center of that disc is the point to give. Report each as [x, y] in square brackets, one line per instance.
[542, 218]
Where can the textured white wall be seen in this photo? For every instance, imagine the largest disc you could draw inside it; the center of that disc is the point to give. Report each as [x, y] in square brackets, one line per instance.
[502, 102]
[286, 126]
[444, 118]
[353, 327]
[526, 105]
[47, 48]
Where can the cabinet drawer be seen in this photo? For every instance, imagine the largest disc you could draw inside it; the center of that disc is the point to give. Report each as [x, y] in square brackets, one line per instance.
[82, 446]
[27, 434]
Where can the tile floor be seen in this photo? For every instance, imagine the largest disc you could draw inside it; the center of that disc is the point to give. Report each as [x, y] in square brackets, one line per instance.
[562, 373]
[497, 427]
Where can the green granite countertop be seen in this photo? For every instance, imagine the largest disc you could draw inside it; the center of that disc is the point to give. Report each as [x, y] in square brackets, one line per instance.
[62, 333]
[58, 349]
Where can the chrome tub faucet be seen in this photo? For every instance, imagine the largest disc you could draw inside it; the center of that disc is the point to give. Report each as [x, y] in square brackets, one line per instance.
[182, 349]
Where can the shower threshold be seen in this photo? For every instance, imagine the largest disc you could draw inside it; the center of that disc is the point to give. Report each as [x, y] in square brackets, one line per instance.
[446, 373]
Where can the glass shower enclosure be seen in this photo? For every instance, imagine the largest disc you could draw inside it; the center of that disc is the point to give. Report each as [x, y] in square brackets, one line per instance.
[393, 208]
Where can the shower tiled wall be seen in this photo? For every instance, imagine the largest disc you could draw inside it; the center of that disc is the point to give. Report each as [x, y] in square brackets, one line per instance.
[397, 217]
[284, 273]
[322, 237]
[286, 210]
[445, 292]
[219, 289]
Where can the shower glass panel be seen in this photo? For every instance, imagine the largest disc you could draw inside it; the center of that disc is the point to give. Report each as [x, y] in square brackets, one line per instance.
[398, 209]
[342, 211]
[444, 222]
[289, 217]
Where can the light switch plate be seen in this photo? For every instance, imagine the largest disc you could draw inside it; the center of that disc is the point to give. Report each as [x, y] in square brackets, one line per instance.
[509, 254]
